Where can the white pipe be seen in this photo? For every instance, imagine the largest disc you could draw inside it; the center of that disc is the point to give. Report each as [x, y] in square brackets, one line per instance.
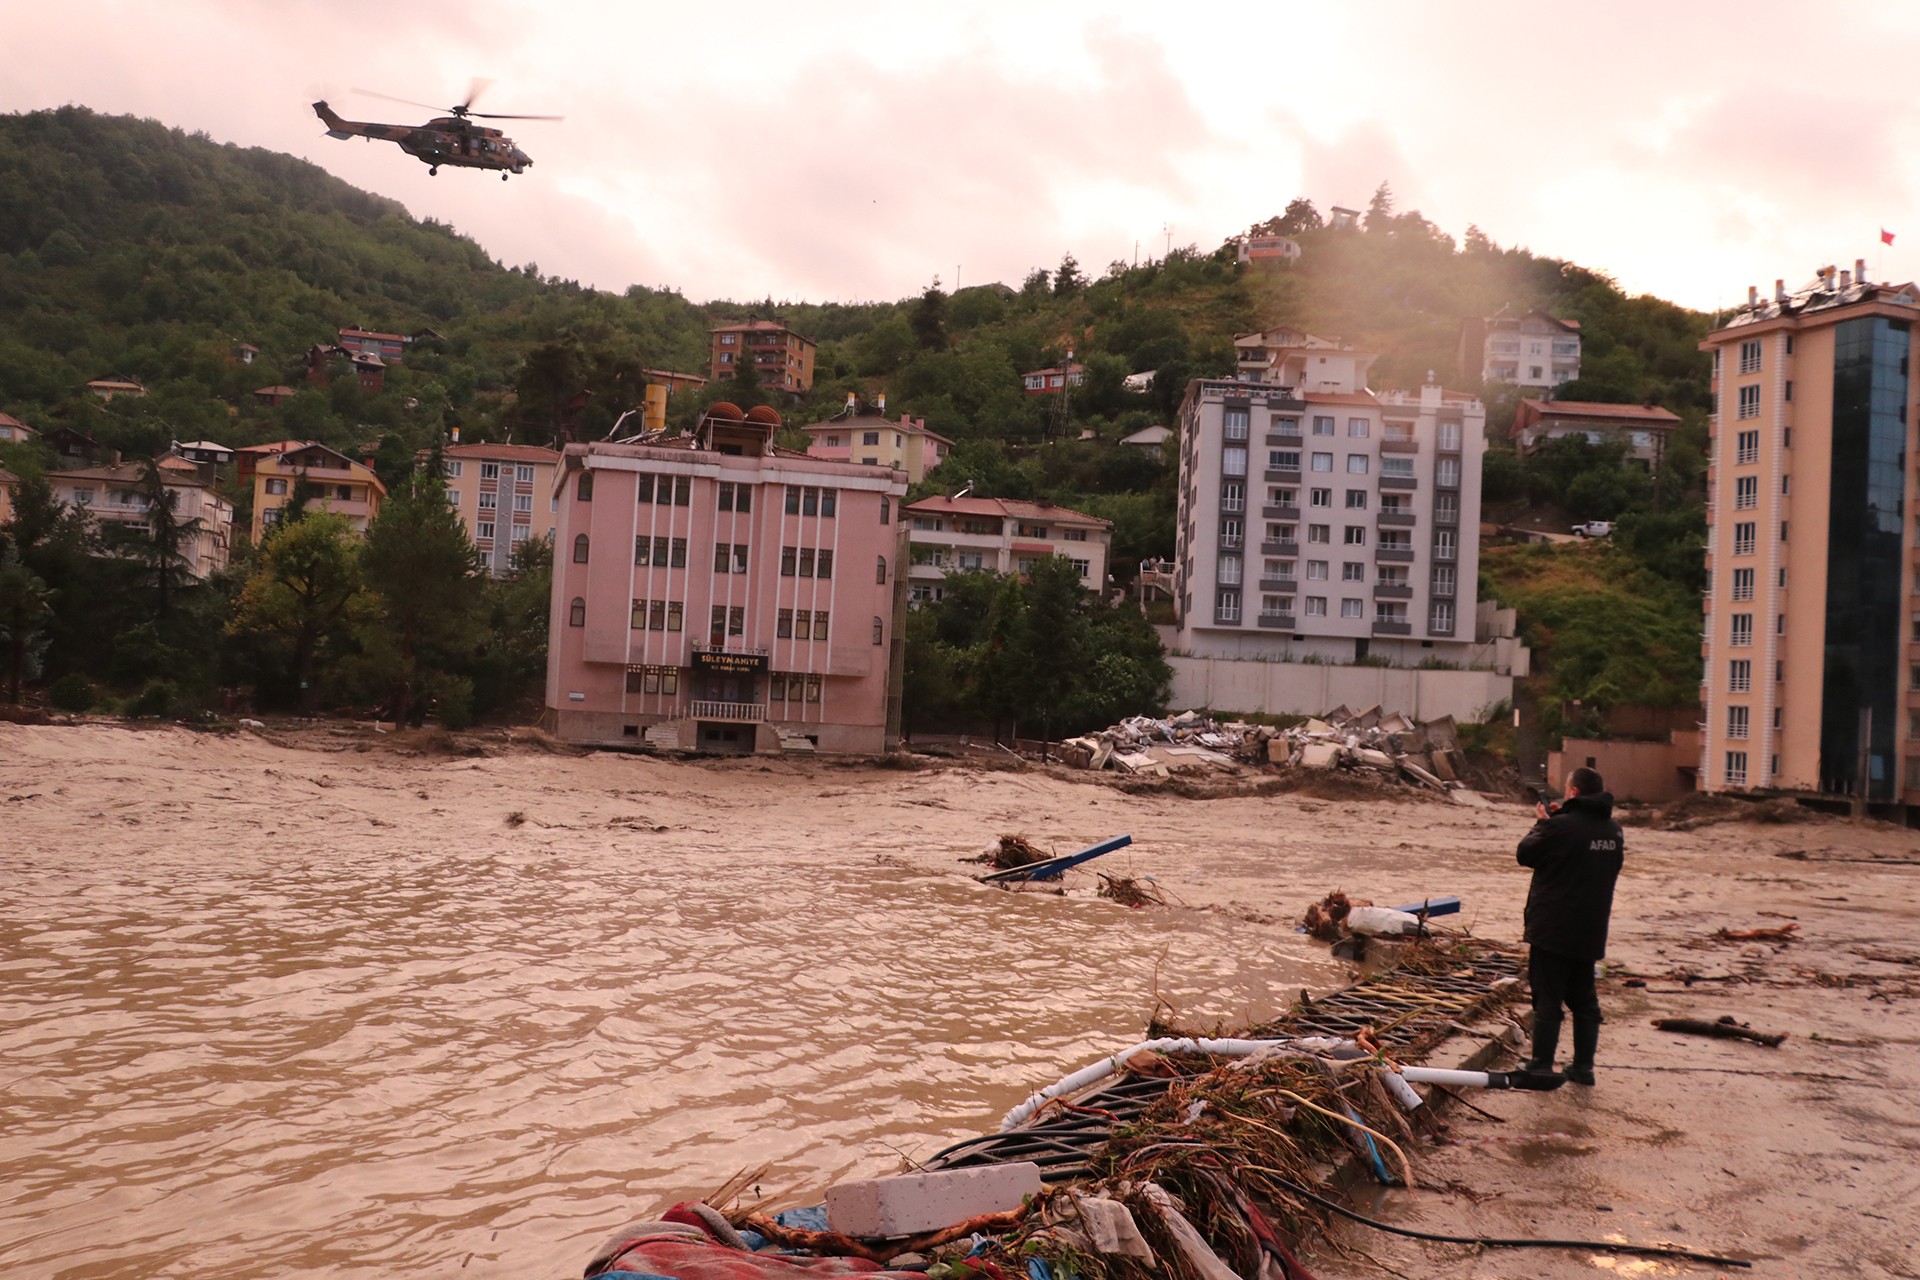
[1117, 1063]
[1440, 1075]
[1402, 1092]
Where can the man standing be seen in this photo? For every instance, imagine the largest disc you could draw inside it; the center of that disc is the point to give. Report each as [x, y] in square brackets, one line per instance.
[1575, 850]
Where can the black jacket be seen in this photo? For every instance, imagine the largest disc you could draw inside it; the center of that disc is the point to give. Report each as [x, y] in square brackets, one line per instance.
[1575, 856]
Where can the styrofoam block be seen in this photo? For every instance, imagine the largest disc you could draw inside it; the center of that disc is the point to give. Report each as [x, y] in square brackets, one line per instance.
[907, 1204]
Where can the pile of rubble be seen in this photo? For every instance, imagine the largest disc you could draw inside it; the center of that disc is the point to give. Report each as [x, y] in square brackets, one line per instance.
[1386, 745]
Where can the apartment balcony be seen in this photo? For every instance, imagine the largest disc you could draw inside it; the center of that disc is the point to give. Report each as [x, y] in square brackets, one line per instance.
[1402, 483]
[1391, 445]
[1280, 513]
[733, 712]
[1393, 555]
[1384, 628]
[1281, 475]
[1391, 591]
[1446, 515]
[1395, 519]
[1279, 586]
[1285, 439]
[1280, 548]
[1442, 590]
[1277, 621]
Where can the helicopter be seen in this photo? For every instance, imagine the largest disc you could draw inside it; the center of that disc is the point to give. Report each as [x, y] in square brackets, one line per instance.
[451, 139]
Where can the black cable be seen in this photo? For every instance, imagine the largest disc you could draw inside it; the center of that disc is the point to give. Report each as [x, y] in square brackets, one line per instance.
[1604, 1246]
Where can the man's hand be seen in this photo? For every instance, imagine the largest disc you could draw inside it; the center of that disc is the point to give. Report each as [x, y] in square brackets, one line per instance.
[1541, 811]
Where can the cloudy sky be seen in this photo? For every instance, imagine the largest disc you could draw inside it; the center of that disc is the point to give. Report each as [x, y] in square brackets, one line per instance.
[837, 150]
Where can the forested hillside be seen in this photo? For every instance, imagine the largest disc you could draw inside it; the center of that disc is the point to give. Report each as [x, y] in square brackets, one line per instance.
[129, 248]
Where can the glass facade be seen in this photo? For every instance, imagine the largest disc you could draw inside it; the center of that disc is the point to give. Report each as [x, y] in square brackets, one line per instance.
[1861, 675]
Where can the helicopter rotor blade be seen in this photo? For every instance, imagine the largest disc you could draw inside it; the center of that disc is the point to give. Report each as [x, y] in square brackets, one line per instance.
[481, 115]
[408, 102]
[474, 90]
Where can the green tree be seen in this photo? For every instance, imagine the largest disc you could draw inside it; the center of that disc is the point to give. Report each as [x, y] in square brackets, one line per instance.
[1379, 216]
[162, 545]
[26, 606]
[1068, 280]
[428, 587]
[305, 579]
[929, 319]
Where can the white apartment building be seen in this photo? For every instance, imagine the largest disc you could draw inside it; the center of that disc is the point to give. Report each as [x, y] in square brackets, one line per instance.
[115, 494]
[1532, 349]
[1320, 520]
[1001, 535]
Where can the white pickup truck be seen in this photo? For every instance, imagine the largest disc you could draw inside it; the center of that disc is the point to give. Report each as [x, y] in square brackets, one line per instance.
[1593, 529]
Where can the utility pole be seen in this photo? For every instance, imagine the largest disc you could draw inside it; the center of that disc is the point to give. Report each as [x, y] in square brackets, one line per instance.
[1167, 227]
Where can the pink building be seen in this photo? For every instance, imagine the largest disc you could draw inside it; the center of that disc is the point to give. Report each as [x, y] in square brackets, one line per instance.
[719, 592]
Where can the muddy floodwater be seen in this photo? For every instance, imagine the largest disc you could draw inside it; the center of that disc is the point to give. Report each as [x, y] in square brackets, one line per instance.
[306, 1043]
[329, 1004]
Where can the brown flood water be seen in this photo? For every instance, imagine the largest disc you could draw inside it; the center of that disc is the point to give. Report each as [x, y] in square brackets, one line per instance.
[250, 1049]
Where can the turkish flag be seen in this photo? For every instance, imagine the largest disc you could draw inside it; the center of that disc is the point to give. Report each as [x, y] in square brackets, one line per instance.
[1886, 236]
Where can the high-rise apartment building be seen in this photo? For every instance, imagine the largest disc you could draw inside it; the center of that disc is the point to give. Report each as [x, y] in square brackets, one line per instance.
[1811, 651]
[1319, 519]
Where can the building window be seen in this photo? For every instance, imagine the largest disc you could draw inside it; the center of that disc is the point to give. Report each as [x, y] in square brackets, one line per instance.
[583, 491]
[879, 567]
[577, 612]
[1233, 424]
[1750, 356]
[1230, 570]
[1742, 634]
[1356, 499]
[1323, 462]
[1356, 464]
[1351, 608]
[1743, 584]
[450, 468]
[1320, 533]
[1736, 722]
[879, 629]
[1748, 447]
[579, 546]
[1316, 571]
[1226, 607]
[1323, 426]
[1316, 606]
[1736, 768]
[783, 624]
[1355, 537]
[1397, 466]
[1746, 493]
[523, 502]
[1233, 497]
[1082, 567]
[483, 532]
[1744, 538]
[489, 501]
[523, 474]
[489, 471]
[275, 485]
[1283, 459]
[1233, 460]
[1232, 533]
[1356, 428]
[1750, 402]
[1443, 544]
[1446, 473]
[886, 510]
[1740, 676]
[1449, 437]
[1440, 616]
[869, 437]
[1320, 497]
[1353, 572]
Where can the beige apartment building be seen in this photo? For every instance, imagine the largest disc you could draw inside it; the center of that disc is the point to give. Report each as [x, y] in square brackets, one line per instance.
[334, 482]
[864, 434]
[504, 494]
[1527, 349]
[115, 495]
[1319, 520]
[1001, 535]
[1811, 646]
[782, 358]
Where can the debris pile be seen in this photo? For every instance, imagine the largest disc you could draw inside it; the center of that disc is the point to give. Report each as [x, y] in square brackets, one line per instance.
[1389, 745]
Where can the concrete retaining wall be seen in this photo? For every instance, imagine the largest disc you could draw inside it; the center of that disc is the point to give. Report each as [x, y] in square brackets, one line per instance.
[1300, 688]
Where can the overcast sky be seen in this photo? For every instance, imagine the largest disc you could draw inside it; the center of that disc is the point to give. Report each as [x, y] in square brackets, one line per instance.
[850, 151]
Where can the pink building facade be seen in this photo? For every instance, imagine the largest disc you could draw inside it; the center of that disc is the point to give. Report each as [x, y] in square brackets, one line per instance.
[719, 593]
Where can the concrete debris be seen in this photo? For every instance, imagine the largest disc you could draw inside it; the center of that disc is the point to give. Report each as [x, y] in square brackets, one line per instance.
[1384, 744]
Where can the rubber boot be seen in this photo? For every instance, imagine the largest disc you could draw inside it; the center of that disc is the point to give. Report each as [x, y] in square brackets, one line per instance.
[1586, 1041]
[1546, 1040]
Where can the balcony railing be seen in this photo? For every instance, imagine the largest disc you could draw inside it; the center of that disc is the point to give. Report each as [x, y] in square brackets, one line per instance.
[1394, 555]
[1280, 548]
[1283, 473]
[1279, 586]
[1397, 519]
[1286, 439]
[737, 712]
[1446, 515]
[1277, 621]
[1399, 482]
[1392, 591]
[1280, 513]
[1391, 445]
[1386, 628]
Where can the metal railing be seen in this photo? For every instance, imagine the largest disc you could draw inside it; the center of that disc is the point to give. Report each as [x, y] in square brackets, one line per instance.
[738, 712]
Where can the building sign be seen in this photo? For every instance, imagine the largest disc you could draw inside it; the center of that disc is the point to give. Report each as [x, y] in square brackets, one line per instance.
[729, 664]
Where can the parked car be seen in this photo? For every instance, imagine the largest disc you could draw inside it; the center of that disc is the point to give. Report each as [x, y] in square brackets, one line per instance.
[1593, 529]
